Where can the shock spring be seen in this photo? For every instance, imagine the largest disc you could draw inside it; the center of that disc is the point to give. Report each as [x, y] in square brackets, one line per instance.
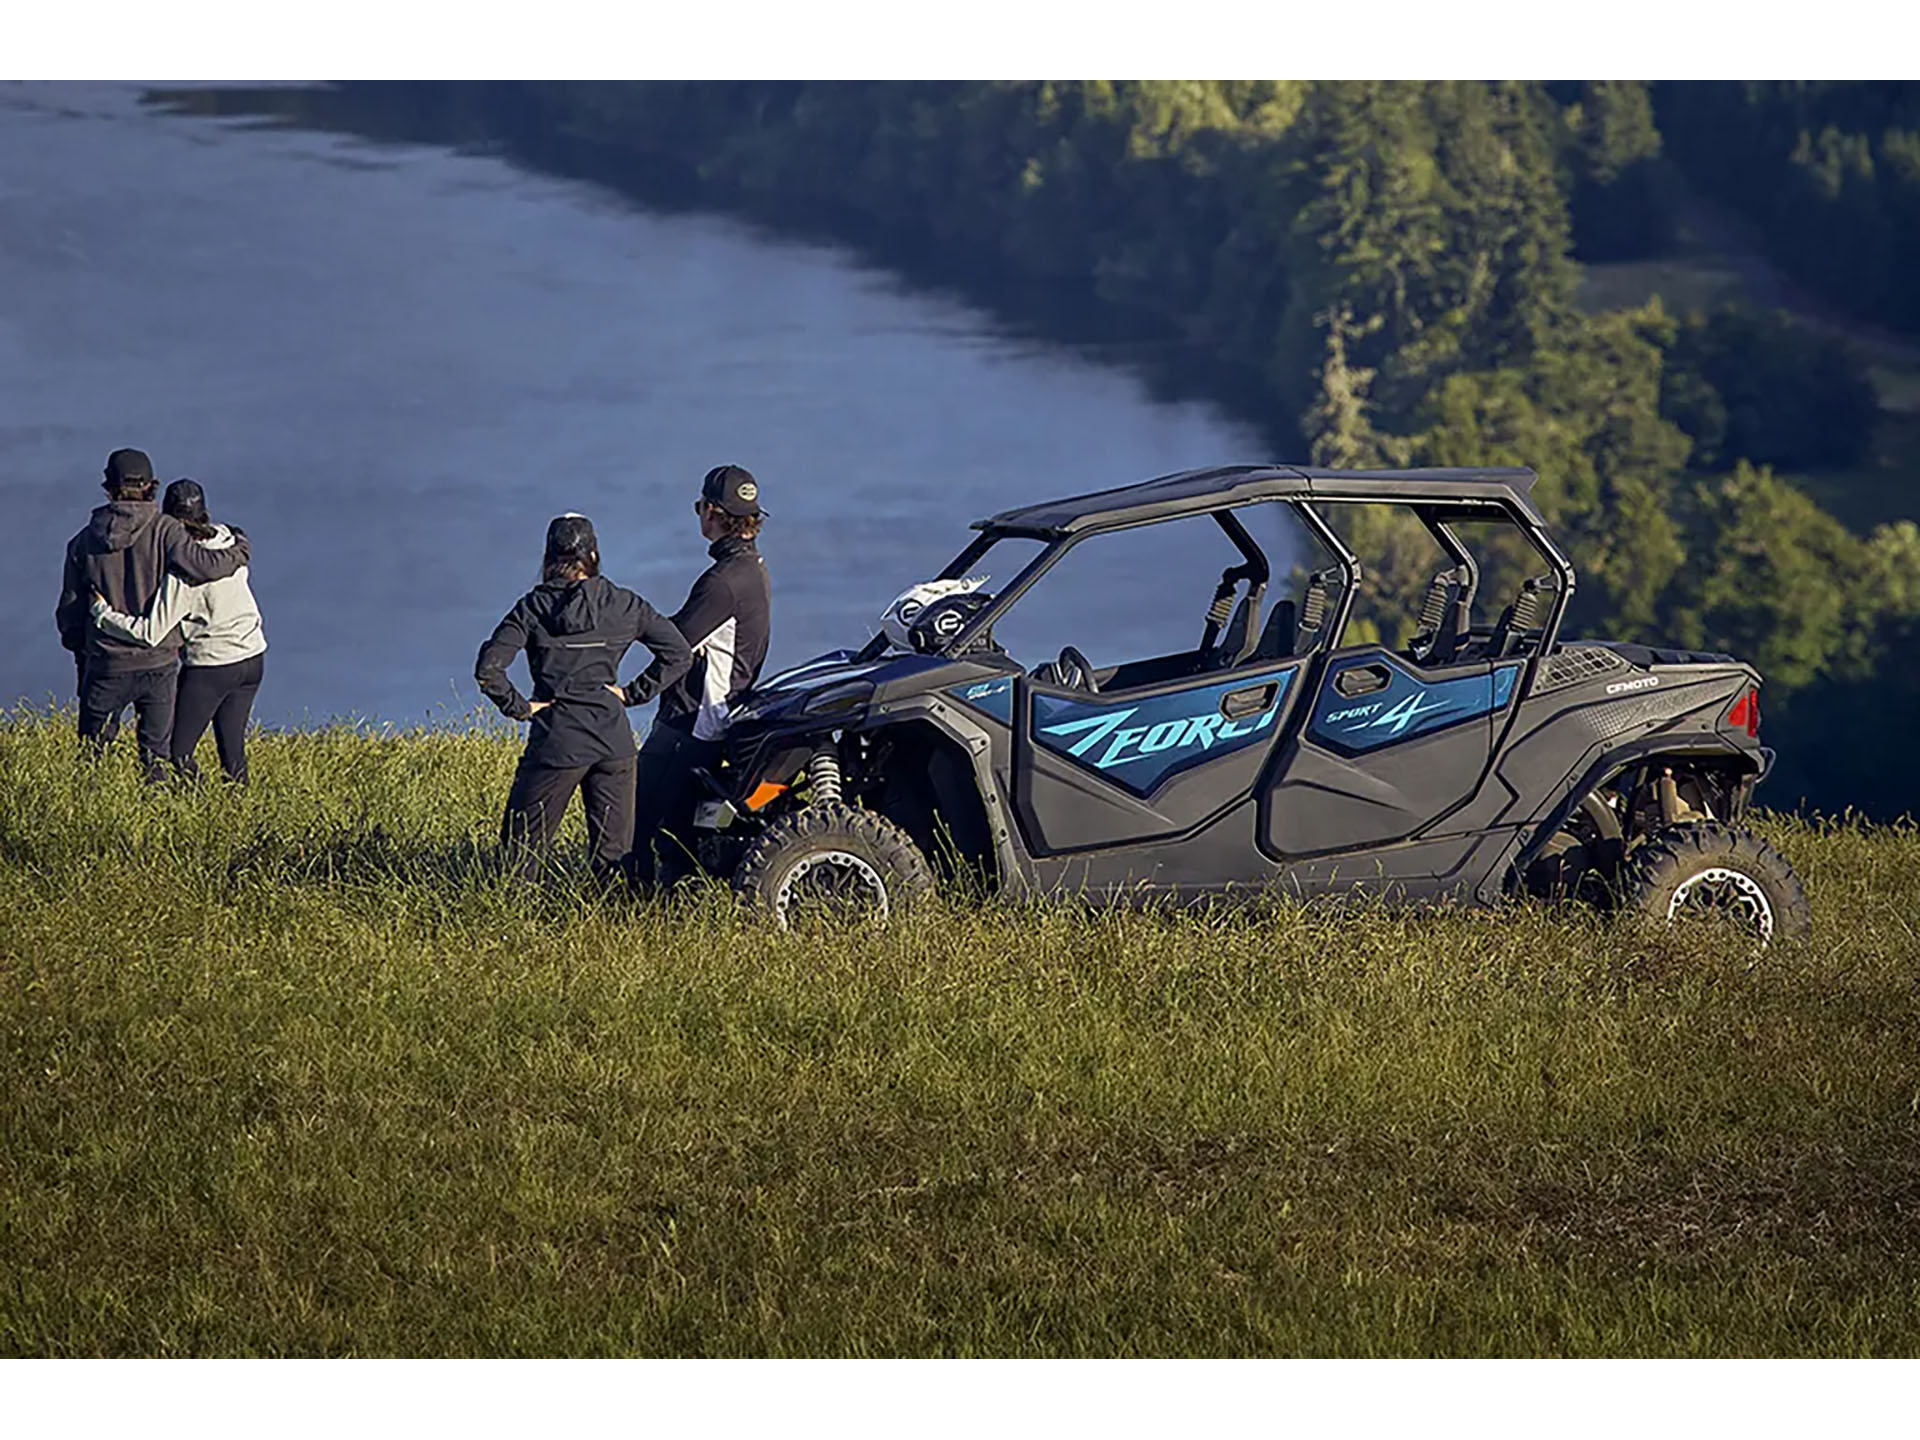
[823, 775]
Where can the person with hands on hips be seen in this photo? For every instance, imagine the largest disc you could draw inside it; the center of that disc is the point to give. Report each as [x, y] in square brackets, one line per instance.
[576, 626]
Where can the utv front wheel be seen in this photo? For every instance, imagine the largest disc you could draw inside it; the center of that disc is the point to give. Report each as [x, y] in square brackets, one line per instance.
[835, 861]
[1684, 871]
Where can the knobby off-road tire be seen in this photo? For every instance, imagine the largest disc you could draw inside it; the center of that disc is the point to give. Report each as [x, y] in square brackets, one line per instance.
[1682, 869]
[832, 854]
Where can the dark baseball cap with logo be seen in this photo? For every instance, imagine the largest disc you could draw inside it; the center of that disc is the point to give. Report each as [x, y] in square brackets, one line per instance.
[129, 467]
[733, 489]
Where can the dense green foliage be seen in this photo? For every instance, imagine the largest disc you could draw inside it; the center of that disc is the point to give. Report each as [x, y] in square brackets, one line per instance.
[1623, 195]
[1829, 171]
[292, 1071]
[1750, 384]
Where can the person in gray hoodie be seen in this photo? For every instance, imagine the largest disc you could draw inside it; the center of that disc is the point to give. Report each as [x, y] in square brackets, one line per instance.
[224, 644]
[575, 626]
[124, 552]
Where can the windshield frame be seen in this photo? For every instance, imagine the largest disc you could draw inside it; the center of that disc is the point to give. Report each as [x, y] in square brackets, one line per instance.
[1056, 548]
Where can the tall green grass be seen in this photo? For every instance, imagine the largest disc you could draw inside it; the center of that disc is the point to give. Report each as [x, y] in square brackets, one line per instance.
[296, 1071]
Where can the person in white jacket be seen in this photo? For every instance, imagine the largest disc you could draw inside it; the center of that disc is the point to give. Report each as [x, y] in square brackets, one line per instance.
[224, 653]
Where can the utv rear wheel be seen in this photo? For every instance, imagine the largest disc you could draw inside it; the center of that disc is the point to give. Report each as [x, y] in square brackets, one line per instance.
[1686, 871]
[833, 861]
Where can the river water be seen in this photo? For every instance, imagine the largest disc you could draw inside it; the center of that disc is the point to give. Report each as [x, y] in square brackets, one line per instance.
[391, 364]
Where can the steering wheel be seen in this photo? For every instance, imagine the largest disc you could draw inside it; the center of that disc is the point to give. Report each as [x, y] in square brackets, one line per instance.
[1073, 671]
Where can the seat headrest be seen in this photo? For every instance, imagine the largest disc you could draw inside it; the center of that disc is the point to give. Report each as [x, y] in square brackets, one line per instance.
[1276, 636]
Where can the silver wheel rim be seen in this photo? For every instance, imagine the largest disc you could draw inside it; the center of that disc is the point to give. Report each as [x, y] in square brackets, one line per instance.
[1718, 890]
[847, 877]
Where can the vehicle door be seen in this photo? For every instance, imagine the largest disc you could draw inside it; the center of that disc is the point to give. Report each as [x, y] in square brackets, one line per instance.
[1155, 747]
[1386, 749]
[1093, 770]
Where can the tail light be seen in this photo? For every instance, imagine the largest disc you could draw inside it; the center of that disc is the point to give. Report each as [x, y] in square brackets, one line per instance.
[1745, 714]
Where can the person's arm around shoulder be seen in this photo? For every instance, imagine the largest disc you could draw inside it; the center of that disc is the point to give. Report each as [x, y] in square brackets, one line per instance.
[673, 656]
[509, 638]
[191, 560]
[172, 605]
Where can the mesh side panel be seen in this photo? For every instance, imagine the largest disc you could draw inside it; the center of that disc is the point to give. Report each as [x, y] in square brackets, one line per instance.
[1574, 664]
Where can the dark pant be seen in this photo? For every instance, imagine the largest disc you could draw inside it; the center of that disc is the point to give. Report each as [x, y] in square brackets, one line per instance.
[539, 799]
[222, 694]
[668, 792]
[151, 693]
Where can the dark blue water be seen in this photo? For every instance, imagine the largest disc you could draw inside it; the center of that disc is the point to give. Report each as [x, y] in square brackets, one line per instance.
[392, 364]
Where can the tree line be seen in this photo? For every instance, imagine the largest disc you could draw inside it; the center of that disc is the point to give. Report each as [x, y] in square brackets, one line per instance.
[1391, 270]
[1397, 265]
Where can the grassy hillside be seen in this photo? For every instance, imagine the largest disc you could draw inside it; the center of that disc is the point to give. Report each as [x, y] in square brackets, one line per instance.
[290, 1071]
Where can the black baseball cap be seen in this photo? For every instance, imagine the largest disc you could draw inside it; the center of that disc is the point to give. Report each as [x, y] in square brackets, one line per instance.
[571, 537]
[733, 489]
[129, 467]
[185, 500]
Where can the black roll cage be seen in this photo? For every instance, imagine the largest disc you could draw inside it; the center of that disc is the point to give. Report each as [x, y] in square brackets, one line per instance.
[1434, 515]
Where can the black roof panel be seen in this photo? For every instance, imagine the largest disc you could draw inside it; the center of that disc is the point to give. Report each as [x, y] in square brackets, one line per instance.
[1195, 491]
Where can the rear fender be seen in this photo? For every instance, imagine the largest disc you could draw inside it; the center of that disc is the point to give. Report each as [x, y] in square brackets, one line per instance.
[1704, 752]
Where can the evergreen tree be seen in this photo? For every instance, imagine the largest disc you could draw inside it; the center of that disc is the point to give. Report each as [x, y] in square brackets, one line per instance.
[1623, 200]
[1339, 434]
[1758, 385]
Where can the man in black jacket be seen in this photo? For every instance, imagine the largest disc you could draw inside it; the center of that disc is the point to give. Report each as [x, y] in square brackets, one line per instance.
[124, 554]
[727, 619]
[575, 626]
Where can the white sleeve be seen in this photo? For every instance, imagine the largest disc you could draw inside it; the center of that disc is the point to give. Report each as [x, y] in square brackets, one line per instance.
[169, 607]
[710, 721]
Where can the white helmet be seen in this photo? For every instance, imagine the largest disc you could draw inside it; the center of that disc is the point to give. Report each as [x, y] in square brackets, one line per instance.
[898, 619]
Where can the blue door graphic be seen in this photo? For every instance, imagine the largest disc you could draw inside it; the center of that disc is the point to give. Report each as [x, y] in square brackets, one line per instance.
[1106, 769]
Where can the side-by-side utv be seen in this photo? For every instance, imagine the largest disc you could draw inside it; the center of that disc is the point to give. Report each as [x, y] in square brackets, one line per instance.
[1295, 747]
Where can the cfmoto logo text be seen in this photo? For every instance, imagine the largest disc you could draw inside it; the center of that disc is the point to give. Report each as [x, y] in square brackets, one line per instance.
[1645, 682]
[1136, 742]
